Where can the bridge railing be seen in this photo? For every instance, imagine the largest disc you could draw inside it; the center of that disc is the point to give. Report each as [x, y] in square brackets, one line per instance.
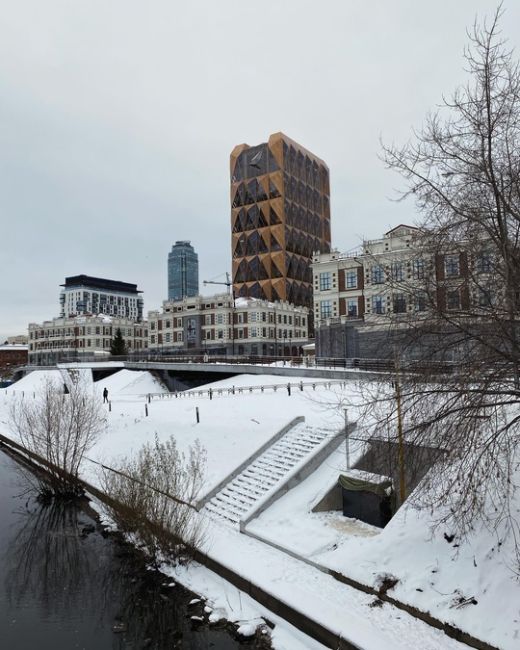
[224, 391]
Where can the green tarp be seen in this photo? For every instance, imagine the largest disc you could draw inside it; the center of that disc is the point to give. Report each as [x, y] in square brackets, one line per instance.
[361, 485]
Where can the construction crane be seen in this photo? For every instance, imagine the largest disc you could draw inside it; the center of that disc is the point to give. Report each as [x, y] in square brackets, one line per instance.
[227, 283]
[229, 286]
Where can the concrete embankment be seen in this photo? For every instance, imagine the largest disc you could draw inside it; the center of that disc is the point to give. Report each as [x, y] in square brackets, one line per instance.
[300, 620]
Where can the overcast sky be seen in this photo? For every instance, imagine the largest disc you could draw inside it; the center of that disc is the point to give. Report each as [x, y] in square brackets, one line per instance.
[117, 118]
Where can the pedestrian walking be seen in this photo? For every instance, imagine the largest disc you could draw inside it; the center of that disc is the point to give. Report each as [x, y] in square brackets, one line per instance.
[105, 394]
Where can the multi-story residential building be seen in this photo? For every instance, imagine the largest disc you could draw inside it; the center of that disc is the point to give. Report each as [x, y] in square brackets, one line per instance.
[12, 355]
[280, 215]
[392, 280]
[85, 295]
[19, 339]
[183, 271]
[220, 324]
[78, 337]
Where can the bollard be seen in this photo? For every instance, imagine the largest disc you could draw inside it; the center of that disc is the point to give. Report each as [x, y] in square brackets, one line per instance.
[109, 407]
[233, 390]
[146, 410]
[262, 389]
[314, 387]
[197, 414]
[210, 393]
[148, 398]
[301, 385]
[289, 389]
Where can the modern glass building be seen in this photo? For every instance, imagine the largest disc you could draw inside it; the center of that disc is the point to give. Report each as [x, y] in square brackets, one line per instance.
[280, 216]
[183, 271]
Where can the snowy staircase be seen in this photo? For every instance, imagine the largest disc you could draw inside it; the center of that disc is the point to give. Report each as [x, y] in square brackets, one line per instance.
[264, 474]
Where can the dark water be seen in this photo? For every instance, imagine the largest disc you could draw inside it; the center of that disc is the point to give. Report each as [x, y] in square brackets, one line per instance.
[64, 585]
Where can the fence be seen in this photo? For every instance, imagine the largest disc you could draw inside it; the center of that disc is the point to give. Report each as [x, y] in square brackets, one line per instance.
[240, 390]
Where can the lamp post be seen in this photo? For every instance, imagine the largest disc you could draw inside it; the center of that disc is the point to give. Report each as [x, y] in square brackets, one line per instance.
[347, 450]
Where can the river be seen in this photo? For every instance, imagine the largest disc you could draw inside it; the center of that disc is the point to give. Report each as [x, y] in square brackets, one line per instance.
[65, 583]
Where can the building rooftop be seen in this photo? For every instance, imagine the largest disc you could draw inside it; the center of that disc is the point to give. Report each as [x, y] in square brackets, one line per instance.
[99, 283]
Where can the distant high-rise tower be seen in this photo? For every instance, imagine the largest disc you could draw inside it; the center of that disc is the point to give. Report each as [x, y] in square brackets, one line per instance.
[183, 271]
[280, 216]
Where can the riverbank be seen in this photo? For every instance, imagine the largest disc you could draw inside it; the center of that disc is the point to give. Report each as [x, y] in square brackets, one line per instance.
[66, 582]
[429, 575]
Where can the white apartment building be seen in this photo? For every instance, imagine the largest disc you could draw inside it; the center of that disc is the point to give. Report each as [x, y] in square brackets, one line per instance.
[80, 337]
[83, 294]
[220, 324]
[394, 280]
[374, 282]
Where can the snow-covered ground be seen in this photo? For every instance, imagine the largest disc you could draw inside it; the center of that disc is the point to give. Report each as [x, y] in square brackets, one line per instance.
[433, 575]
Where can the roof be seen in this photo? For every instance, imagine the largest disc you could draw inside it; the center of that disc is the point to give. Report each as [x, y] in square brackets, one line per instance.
[99, 283]
[401, 225]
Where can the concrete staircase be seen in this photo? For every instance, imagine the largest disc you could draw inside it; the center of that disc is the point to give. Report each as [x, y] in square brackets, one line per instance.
[263, 476]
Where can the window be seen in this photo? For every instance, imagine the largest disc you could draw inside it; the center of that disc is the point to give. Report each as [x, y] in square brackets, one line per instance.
[420, 301]
[453, 299]
[398, 271]
[351, 279]
[451, 265]
[325, 309]
[152, 326]
[207, 319]
[167, 337]
[253, 332]
[352, 308]
[220, 319]
[399, 303]
[378, 305]
[220, 334]
[325, 281]
[484, 298]
[418, 269]
[484, 263]
[377, 274]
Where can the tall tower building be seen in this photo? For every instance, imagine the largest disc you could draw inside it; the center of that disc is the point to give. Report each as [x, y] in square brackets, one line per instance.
[183, 271]
[280, 216]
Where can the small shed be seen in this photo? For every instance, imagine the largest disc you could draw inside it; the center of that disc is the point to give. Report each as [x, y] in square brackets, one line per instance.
[367, 497]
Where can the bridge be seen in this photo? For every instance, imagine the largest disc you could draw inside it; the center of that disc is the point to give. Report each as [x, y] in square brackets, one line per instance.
[179, 373]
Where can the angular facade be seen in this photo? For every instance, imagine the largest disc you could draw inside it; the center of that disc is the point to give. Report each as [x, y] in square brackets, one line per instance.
[183, 271]
[280, 216]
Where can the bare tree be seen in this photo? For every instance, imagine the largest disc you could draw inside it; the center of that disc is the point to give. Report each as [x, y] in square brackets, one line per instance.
[154, 494]
[60, 429]
[463, 171]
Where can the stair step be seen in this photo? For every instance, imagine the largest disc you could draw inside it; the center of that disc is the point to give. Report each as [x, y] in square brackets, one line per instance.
[226, 506]
[261, 472]
[240, 495]
[257, 488]
[243, 497]
[273, 467]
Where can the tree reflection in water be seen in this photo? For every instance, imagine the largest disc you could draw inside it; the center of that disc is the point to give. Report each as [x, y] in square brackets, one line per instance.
[74, 572]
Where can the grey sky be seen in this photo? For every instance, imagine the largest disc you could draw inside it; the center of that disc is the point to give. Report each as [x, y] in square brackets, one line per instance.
[117, 119]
